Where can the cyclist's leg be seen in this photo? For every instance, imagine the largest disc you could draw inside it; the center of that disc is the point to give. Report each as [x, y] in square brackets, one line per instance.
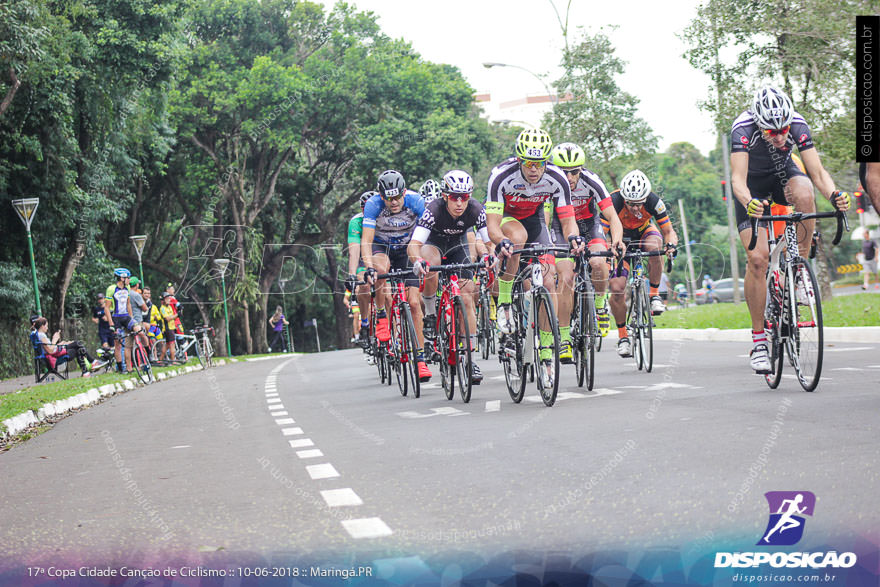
[430, 253]
[597, 243]
[652, 241]
[457, 255]
[565, 271]
[755, 280]
[117, 346]
[799, 193]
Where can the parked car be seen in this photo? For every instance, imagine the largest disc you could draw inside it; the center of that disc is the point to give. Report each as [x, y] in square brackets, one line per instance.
[722, 292]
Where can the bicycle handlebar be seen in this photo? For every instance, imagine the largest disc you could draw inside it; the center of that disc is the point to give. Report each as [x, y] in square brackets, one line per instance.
[842, 223]
[454, 268]
[638, 254]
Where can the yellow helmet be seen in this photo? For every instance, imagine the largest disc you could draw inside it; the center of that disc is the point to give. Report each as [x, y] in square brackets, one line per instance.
[534, 144]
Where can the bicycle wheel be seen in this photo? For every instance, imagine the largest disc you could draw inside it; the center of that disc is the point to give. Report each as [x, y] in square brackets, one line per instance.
[209, 353]
[411, 349]
[396, 351]
[591, 335]
[484, 328]
[202, 353]
[806, 337]
[634, 320]
[510, 353]
[141, 364]
[447, 380]
[543, 313]
[462, 350]
[646, 333]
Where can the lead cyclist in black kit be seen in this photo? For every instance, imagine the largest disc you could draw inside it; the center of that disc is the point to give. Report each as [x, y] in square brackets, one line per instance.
[762, 170]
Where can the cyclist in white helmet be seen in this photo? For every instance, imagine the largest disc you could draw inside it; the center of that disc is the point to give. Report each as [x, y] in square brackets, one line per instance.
[430, 191]
[762, 142]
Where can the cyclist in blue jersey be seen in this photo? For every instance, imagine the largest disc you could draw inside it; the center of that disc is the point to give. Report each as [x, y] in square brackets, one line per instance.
[118, 305]
[389, 220]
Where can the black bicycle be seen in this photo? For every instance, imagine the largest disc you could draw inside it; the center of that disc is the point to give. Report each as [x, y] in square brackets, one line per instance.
[485, 323]
[585, 337]
[793, 311]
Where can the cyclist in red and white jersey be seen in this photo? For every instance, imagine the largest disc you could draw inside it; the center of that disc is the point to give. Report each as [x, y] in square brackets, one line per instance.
[518, 189]
[589, 197]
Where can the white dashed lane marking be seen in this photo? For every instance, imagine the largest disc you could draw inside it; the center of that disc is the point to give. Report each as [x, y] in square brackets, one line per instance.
[341, 497]
[282, 421]
[493, 406]
[291, 431]
[322, 471]
[366, 528]
[302, 442]
[276, 414]
[309, 454]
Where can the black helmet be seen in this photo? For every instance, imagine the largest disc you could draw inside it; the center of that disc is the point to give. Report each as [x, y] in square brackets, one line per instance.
[391, 183]
[365, 197]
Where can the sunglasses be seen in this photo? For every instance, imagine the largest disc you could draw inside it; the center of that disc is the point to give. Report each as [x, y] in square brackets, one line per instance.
[459, 197]
[776, 132]
[635, 204]
[530, 164]
[575, 171]
[392, 198]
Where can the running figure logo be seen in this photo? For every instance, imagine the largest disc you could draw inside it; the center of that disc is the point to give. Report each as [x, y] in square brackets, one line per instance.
[786, 525]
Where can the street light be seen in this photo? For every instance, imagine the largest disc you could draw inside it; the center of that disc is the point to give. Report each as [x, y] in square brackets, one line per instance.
[551, 95]
[26, 208]
[139, 241]
[222, 264]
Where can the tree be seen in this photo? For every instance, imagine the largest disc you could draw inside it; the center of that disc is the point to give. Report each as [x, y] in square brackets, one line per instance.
[600, 117]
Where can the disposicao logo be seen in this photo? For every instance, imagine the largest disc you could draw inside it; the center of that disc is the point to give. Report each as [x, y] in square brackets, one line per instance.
[786, 528]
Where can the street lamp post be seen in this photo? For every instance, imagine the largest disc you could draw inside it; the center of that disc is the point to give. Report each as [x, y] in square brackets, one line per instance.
[222, 264]
[553, 97]
[26, 208]
[139, 241]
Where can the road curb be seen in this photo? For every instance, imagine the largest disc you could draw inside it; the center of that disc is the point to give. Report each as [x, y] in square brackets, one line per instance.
[17, 424]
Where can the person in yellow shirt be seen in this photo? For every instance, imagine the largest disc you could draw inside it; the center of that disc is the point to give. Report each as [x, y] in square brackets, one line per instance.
[169, 316]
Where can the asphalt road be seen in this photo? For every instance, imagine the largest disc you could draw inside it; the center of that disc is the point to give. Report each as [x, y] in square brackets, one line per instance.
[310, 458]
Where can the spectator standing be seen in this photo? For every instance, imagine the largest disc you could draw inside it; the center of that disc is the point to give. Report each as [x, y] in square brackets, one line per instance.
[101, 317]
[170, 318]
[278, 322]
[869, 259]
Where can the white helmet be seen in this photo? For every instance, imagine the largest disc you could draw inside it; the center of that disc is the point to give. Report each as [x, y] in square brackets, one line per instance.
[430, 191]
[457, 182]
[635, 186]
[771, 108]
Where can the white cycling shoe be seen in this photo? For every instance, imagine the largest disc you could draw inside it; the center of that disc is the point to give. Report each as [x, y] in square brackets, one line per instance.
[760, 359]
[504, 319]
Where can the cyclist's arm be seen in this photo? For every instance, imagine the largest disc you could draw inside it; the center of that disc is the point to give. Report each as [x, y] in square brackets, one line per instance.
[548, 212]
[494, 212]
[367, 246]
[414, 249]
[472, 245]
[669, 234]
[616, 228]
[354, 255]
[817, 172]
[739, 172]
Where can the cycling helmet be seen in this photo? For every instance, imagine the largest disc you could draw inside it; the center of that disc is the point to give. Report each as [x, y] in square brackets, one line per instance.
[635, 186]
[430, 190]
[390, 184]
[771, 108]
[534, 144]
[366, 196]
[458, 182]
[122, 272]
[568, 155]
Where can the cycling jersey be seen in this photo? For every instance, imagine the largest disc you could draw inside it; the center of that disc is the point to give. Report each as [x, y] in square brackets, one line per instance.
[393, 230]
[169, 315]
[764, 158]
[118, 297]
[356, 228]
[509, 193]
[640, 220]
[437, 221]
[589, 193]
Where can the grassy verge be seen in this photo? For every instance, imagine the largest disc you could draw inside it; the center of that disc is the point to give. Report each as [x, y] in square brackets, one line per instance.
[33, 398]
[854, 310]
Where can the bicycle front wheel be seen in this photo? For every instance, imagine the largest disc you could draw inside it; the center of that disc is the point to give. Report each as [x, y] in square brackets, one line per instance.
[202, 353]
[484, 327]
[646, 333]
[635, 322]
[510, 353]
[141, 364]
[444, 335]
[410, 349]
[546, 316]
[461, 348]
[591, 335]
[396, 351]
[806, 337]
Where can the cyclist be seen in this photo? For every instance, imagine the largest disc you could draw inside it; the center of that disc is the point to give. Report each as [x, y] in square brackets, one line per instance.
[636, 206]
[356, 266]
[118, 304]
[138, 307]
[588, 196]
[762, 170]
[430, 191]
[518, 189]
[441, 236]
[389, 219]
[869, 174]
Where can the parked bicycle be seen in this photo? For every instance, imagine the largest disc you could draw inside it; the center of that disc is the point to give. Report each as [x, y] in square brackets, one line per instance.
[204, 348]
[524, 352]
[140, 359]
[793, 311]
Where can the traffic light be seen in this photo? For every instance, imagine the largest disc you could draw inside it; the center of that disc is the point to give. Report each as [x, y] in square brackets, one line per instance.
[860, 201]
[723, 191]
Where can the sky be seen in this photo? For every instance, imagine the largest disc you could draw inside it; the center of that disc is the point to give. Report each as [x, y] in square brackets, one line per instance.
[467, 33]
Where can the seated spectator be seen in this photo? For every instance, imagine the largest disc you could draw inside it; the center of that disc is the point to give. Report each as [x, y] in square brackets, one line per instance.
[68, 348]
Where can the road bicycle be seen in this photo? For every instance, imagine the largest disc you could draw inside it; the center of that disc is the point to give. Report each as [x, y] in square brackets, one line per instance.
[377, 351]
[639, 318]
[204, 348]
[585, 336]
[793, 310]
[485, 323]
[140, 358]
[453, 334]
[532, 310]
[403, 353]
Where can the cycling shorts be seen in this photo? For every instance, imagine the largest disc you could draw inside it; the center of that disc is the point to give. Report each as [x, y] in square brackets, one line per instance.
[106, 337]
[454, 251]
[399, 261]
[537, 232]
[766, 187]
[124, 323]
[590, 229]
